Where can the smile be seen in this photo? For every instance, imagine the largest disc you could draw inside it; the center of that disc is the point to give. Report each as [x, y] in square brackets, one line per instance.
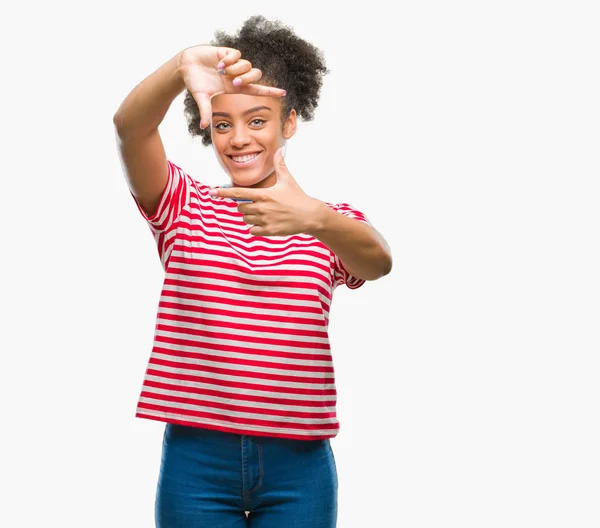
[244, 161]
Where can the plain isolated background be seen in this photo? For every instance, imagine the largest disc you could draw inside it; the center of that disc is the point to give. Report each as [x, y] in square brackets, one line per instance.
[468, 378]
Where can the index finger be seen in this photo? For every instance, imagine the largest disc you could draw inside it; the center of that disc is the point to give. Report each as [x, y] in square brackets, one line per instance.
[259, 89]
[237, 193]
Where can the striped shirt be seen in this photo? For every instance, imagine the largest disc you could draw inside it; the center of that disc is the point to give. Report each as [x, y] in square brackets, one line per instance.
[241, 338]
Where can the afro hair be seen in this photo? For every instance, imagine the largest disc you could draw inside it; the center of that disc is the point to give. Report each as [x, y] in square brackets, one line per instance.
[285, 60]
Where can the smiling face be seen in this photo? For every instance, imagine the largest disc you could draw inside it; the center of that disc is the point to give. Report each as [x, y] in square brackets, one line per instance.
[246, 131]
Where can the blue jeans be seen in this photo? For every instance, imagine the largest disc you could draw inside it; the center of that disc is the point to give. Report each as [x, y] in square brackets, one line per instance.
[210, 478]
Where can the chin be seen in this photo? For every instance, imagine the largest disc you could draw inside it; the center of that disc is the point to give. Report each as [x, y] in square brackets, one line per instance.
[246, 180]
[246, 183]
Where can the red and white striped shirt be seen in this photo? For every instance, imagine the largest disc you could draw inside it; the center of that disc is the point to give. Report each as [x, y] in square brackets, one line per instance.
[241, 339]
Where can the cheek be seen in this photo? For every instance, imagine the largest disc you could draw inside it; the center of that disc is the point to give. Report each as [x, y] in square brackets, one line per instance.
[271, 137]
[218, 143]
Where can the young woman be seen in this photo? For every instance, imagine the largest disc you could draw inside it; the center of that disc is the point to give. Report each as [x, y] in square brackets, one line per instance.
[241, 368]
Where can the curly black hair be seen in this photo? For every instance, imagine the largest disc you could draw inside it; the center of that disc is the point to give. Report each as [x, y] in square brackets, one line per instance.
[285, 60]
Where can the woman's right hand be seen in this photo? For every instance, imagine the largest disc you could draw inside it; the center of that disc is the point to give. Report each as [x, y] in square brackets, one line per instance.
[210, 70]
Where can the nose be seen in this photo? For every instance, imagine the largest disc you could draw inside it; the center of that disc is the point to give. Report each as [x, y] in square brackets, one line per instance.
[240, 137]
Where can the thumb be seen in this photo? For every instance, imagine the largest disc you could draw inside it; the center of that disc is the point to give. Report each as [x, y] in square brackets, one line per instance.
[205, 107]
[279, 164]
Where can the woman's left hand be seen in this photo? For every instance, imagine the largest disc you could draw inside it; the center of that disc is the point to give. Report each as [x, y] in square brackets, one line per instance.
[283, 209]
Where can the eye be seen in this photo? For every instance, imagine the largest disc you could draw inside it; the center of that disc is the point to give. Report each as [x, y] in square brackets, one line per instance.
[258, 119]
[219, 124]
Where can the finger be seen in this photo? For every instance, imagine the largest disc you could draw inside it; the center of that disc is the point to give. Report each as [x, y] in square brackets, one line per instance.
[253, 220]
[250, 77]
[241, 193]
[283, 174]
[279, 159]
[247, 208]
[205, 108]
[240, 67]
[227, 57]
[259, 89]
[260, 231]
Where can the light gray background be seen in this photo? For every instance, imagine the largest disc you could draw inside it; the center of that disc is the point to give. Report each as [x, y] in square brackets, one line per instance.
[468, 378]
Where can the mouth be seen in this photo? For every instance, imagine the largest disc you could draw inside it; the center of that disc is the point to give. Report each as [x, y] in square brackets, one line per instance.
[244, 161]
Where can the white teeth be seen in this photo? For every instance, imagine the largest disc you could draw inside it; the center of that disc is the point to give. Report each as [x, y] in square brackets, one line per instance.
[243, 159]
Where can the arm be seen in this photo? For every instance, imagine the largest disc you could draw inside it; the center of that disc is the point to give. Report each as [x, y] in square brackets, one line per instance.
[362, 250]
[285, 209]
[205, 71]
[136, 124]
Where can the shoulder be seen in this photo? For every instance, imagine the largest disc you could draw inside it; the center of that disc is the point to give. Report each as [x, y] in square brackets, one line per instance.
[347, 210]
[187, 177]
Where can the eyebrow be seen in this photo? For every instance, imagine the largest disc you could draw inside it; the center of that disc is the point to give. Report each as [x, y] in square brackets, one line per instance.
[251, 111]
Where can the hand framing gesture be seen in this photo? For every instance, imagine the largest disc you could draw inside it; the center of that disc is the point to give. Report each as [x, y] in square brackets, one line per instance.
[210, 70]
[282, 209]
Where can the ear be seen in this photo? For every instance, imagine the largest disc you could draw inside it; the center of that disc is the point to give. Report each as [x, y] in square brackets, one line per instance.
[289, 125]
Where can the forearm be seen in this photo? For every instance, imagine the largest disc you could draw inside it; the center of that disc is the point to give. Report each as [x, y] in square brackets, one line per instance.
[147, 104]
[362, 250]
